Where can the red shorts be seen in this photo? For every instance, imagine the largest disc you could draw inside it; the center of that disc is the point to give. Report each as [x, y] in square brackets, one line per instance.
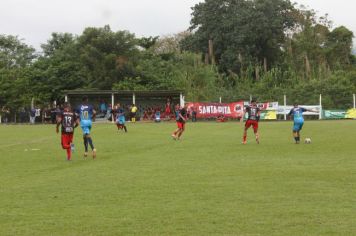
[180, 125]
[253, 123]
[67, 139]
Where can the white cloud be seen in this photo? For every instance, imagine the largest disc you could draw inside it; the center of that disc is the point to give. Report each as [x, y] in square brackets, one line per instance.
[35, 20]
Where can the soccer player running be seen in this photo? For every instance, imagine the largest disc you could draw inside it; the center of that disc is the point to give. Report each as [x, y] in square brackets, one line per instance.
[181, 119]
[252, 120]
[297, 113]
[176, 113]
[120, 118]
[68, 120]
[87, 113]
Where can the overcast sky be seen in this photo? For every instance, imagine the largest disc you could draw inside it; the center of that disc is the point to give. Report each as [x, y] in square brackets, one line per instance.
[35, 20]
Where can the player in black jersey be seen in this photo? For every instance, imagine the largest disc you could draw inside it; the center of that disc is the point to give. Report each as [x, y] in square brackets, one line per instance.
[68, 121]
[252, 120]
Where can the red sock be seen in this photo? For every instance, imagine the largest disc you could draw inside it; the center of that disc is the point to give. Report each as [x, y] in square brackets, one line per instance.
[69, 153]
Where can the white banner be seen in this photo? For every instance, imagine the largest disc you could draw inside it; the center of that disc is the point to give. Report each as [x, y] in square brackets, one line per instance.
[269, 106]
[284, 110]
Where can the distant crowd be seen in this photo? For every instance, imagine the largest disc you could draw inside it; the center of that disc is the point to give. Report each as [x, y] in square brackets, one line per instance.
[48, 114]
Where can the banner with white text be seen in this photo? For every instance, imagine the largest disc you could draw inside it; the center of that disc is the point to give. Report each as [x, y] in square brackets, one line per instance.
[213, 110]
[231, 110]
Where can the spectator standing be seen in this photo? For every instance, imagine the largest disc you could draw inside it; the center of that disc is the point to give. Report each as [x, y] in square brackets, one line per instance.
[133, 113]
[32, 115]
[194, 115]
[168, 111]
[6, 112]
[22, 115]
[38, 114]
[103, 107]
[46, 114]
[53, 115]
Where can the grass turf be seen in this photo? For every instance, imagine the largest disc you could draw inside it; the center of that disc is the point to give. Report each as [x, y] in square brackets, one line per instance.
[144, 183]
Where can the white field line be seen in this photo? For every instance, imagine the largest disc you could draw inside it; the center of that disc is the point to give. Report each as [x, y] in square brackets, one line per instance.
[39, 140]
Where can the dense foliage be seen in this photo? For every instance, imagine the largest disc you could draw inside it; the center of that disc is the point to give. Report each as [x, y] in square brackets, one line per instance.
[233, 49]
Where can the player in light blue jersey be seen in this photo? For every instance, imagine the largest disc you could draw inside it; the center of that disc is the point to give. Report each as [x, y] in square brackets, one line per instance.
[87, 114]
[120, 117]
[297, 114]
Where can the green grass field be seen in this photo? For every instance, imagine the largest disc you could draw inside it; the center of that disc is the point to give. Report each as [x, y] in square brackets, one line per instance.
[144, 183]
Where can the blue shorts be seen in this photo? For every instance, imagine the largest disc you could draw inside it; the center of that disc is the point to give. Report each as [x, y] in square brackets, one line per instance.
[86, 126]
[298, 126]
[120, 120]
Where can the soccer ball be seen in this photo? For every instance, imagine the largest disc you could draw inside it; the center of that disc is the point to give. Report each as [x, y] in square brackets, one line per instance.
[307, 141]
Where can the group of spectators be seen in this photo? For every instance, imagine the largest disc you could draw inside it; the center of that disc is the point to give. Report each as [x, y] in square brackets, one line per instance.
[167, 112]
[46, 115]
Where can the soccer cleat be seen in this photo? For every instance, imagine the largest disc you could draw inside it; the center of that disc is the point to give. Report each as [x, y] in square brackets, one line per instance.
[244, 142]
[94, 153]
[257, 141]
[174, 137]
[85, 155]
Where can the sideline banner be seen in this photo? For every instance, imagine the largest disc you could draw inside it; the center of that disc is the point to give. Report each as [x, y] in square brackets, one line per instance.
[213, 110]
[339, 114]
[351, 114]
[268, 115]
[286, 109]
[268, 106]
[334, 114]
[231, 110]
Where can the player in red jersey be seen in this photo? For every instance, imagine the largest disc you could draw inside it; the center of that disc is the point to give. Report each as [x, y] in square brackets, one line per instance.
[176, 114]
[182, 118]
[68, 122]
[252, 120]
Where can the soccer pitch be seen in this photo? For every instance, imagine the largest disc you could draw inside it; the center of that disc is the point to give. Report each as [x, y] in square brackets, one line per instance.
[144, 183]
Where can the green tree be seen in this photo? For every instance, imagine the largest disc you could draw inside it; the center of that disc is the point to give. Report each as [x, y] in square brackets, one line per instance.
[242, 31]
[339, 46]
[16, 59]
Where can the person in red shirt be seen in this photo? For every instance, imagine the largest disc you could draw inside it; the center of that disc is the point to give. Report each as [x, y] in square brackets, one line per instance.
[167, 111]
[68, 121]
[252, 120]
[181, 118]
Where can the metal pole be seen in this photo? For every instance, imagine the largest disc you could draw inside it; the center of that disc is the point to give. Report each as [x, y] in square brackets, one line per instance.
[250, 98]
[133, 98]
[285, 105]
[354, 95]
[321, 108]
[220, 100]
[112, 107]
[181, 100]
[66, 98]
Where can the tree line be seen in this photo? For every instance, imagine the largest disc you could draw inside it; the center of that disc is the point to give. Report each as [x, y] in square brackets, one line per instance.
[232, 49]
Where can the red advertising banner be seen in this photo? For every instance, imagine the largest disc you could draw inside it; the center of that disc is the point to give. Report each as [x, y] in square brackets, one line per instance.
[213, 110]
